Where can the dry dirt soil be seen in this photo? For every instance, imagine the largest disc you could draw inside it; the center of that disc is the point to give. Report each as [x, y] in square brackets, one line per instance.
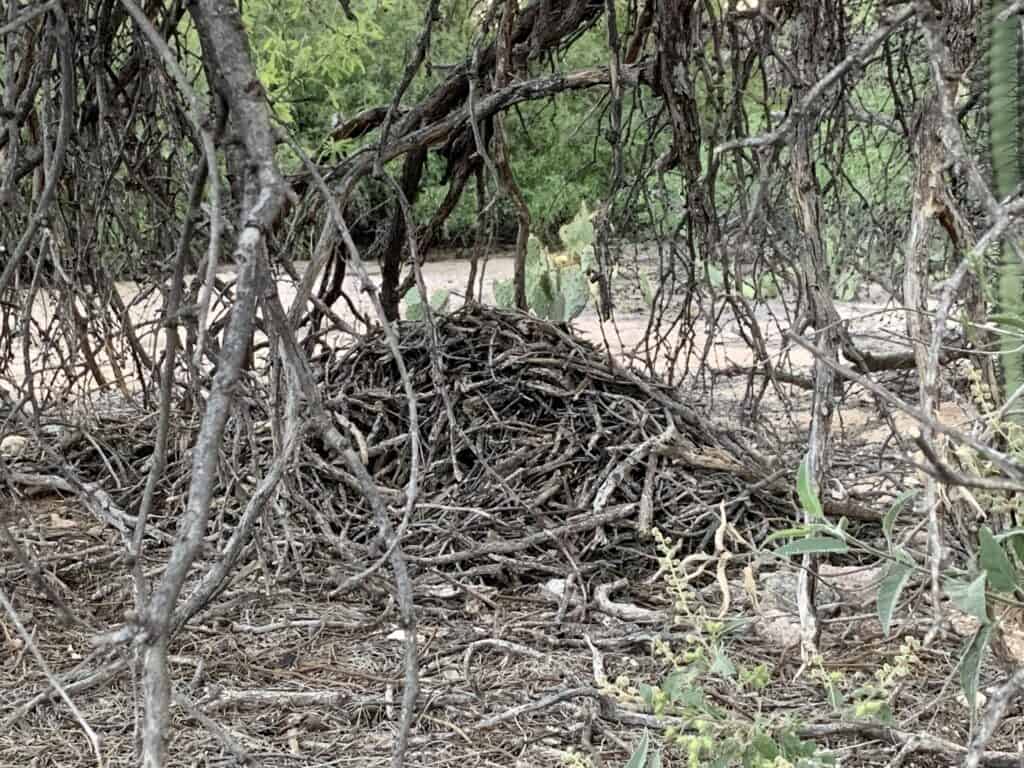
[282, 671]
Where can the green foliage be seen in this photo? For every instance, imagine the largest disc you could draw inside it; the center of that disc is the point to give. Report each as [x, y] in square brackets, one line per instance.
[970, 664]
[968, 596]
[557, 285]
[414, 309]
[889, 519]
[868, 698]
[319, 66]
[644, 756]
[705, 730]
[994, 562]
[1004, 109]
[995, 571]
[900, 569]
[813, 545]
[808, 492]
[889, 591]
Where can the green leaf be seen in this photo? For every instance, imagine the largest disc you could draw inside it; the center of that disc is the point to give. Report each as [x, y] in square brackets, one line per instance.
[889, 521]
[807, 492]
[439, 299]
[847, 284]
[504, 294]
[812, 545]
[578, 233]
[889, 592]
[647, 694]
[533, 252]
[575, 291]
[722, 665]
[655, 760]
[414, 305]
[1015, 537]
[556, 309]
[764, 746]
[789, 533]
[970, 664]
[588, 258]
[768, 286]
[969, 597]
[414, 309]
[715, 276]
[1010, 533]
[995, 563]
[639, 758]
[836, 699]
[675, 685]
[873, 709]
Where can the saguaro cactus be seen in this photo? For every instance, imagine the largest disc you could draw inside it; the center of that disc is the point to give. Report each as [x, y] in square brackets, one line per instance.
[1003, 88]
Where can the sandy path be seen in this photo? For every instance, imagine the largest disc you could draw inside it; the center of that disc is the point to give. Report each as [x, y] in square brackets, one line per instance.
[628, 331]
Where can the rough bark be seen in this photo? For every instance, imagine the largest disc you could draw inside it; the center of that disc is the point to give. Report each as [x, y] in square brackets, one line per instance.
[817, 290]
[226, 47]
[932, 202]
[394, 244]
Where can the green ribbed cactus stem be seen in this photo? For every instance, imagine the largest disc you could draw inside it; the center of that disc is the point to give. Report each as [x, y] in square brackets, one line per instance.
[1003, 88]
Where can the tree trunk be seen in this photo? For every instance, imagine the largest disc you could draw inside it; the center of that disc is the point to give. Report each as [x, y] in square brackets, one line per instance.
[394, 246]
[932, 202]
[817, 290]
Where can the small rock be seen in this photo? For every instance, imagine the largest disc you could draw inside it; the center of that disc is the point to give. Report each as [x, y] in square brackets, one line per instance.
[778, 619]
[554, 587]
[13, 446]
[980, 699]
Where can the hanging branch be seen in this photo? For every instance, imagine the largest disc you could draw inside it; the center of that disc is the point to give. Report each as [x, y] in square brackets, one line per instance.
[58, 154]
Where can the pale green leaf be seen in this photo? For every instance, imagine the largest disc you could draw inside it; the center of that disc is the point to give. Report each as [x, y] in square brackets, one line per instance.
[576, 291]
[715, 276]
[439, 299]
[639, 758]
[414, 305]
[807, 492]
[504, 294]
[889, 592]
[969, 597]
[970, 665]
[812, 545]
[995, 563]
[588, 258]
[789, 533]
[889, 521]
[722, 665]
[675, 685]
[646, 290]
[647, 694]
[768, 286]
[1006, 321]
[1015, 537]
[578, 233]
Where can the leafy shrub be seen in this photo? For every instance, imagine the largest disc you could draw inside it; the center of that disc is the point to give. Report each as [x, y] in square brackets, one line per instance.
[414, 309]
[557, 282]
[991, 575]
[702, 728]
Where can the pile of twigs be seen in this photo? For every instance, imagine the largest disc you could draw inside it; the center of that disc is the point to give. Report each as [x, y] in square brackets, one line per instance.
[536, 448]
[537, 452]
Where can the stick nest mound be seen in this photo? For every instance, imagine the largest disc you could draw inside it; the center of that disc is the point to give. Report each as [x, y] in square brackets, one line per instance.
[534, 446]
[536, 453]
